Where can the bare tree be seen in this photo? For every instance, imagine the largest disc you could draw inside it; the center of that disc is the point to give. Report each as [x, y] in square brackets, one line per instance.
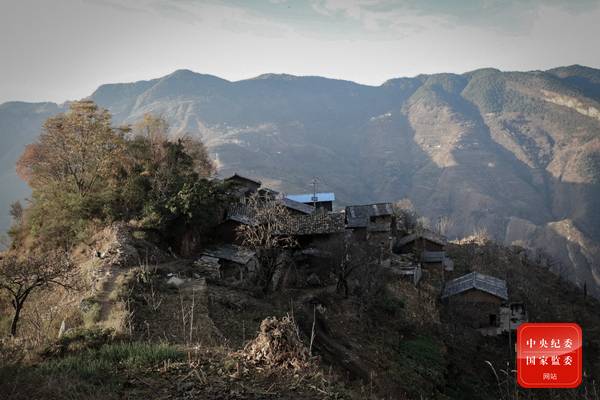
[20, 276]
[266, 232]
[443, 225]
[347, 256]
[405, 214]
[423, 224]
[481, 235]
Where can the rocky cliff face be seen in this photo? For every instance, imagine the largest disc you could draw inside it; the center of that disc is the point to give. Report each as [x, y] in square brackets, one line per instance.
[517, 153]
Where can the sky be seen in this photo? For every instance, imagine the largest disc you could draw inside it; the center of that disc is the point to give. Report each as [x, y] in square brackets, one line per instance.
[57, 50]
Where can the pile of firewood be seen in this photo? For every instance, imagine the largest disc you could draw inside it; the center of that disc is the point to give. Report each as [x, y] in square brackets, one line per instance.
[278, 345]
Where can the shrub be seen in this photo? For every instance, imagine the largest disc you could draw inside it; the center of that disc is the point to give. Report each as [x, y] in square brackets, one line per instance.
[90, 311]
[387, 303]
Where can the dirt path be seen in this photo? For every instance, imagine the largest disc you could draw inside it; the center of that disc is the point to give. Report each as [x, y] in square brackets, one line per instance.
[103, 297]
[175, 313]
[110, 282]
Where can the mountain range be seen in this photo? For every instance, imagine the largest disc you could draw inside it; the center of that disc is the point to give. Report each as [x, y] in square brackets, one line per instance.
[514, 153]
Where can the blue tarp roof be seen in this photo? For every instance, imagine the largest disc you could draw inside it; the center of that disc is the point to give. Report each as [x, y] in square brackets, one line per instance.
[308, 198]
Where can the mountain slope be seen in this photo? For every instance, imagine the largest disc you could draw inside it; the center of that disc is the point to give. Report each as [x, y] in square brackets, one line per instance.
[19, 125]
[517, 153]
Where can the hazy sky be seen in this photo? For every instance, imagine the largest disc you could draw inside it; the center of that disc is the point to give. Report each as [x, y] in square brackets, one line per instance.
[63, 49]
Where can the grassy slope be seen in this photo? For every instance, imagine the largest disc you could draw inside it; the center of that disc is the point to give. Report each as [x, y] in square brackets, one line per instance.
[397, 345]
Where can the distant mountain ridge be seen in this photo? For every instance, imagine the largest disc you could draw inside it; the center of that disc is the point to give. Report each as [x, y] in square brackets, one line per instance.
[517, 153]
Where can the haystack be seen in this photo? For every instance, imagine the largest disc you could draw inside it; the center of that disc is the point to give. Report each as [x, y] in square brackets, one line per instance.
[278, 345]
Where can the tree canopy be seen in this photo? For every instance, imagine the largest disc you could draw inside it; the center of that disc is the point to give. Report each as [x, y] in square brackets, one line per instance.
[85, 172]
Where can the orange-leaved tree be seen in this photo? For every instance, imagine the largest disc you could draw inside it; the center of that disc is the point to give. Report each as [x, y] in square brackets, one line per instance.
[76, 150]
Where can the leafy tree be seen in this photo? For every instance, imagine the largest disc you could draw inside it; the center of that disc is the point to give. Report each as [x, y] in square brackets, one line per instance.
[71, 170]
[154, 131]
[85, 173]
[168, 180]
[78, 150]
[19, 277]
[16, 211]
[203, 165]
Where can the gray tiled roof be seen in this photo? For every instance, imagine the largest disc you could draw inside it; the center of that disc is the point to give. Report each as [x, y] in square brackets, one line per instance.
[230, 252]
[240, 177]
[475, 280]
[358, 216]
[294, 205]
[306, 224]
[315, 224]
[428, 235]
[241, 213]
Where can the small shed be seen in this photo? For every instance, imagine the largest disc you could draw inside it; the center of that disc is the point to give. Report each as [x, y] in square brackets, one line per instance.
[236, 262]
[475, 299]
[321, 201]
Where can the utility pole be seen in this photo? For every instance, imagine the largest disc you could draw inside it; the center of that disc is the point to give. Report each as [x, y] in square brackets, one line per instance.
[315, 183]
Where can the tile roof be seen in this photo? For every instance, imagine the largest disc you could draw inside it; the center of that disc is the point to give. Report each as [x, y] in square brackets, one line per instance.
[240, 213]
[230, 252]
[428, 235]
[238, 176]
[268, 191]
[475, 280]
[295, 205]
[308, 197]
[315, 224]
[243, 214]
[358, 216]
